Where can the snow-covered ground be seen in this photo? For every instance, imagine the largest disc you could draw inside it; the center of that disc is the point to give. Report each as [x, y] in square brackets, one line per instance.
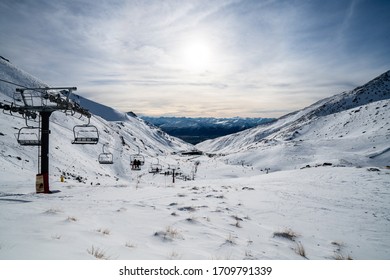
[226, 213]
[314, 186]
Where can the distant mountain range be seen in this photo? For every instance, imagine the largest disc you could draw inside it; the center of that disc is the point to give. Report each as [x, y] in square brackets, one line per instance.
[196, 130]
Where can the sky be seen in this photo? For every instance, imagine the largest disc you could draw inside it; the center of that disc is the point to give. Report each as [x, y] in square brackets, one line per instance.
[247, 58]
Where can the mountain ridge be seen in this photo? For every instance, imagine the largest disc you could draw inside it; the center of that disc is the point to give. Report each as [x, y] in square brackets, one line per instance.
[374, 90]
[195, 130]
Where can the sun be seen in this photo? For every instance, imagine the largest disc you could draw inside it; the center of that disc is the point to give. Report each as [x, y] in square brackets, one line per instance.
[196, 56]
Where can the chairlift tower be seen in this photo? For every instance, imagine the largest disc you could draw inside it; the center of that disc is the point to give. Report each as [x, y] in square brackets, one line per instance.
[29, 102]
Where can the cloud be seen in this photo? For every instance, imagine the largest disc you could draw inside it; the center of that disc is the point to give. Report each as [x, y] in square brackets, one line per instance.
[267, 56]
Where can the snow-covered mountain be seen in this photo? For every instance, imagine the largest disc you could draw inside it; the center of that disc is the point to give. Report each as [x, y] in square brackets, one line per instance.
[196, 123]
[107, 113]
[195, 130]
[348, 127]
[124, 136]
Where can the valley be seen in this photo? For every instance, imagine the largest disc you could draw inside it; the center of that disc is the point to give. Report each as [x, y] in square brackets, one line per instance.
[313, 184]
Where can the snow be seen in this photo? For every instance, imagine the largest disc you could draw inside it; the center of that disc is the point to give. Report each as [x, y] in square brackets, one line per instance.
[334, 211]
[326, 186]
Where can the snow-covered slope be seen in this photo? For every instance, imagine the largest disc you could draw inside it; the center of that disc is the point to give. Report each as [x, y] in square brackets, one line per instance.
[9, 72]
[125, 137]
[351, 126]
[107, 113]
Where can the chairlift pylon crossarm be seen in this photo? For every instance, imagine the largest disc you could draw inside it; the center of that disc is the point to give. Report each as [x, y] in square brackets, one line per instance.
[62, 104]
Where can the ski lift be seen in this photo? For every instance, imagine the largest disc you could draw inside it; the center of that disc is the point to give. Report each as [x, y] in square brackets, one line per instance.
[172, 169]
[85, 134]
[136, 161]
[106, 158]
[29, 136]
[155, 167]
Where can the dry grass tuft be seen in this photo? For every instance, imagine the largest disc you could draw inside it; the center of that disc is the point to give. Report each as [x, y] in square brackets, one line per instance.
[174, 255]
[300, 250]
[237, 218]
[237, 224]
[338, 244]
[71, 219]
[52, 211]
[288, 234]
[230, 240]
[56, 236]
[339, 256]
[98, 253]
[192, 220]
[248, 255]
[169, 234]
[130, 245]
[174, 233]
[187, 208]
[105, 231]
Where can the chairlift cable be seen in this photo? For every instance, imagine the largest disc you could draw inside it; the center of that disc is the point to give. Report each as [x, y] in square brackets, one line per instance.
[12, 83]
[15, 84]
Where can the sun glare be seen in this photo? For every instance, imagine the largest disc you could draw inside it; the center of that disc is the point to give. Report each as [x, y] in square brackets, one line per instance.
[196, 56]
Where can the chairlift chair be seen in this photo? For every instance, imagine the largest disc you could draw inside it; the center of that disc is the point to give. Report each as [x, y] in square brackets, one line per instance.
[29, 136]
[85, 134]
[105, 157]
[137, 160]
[155, 167]
[173, 168]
